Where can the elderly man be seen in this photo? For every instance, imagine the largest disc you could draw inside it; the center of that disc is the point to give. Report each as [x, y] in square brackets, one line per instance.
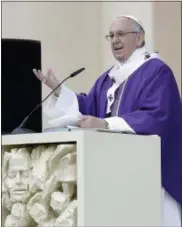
[138, 95]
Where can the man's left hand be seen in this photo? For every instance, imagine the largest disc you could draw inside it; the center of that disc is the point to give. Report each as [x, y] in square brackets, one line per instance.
[92, 122]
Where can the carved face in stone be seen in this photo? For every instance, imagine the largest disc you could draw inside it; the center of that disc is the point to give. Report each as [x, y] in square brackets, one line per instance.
[17, 177]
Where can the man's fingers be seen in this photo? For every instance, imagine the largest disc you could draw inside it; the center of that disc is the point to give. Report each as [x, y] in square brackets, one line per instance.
[39, 75]
[85, 121]
[81, 124]
[43, 78]
[78, 124]
[48, 77]
[49, 74]
[52, 76]
[36, 74]
[84, 117]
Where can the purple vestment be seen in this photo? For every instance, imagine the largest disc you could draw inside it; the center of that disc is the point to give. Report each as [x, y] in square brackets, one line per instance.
[150, 105]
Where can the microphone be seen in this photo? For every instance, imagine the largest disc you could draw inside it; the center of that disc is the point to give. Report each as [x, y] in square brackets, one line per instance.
[20, 128]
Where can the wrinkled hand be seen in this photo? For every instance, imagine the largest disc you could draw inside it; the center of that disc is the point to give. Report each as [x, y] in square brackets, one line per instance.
[48, 79]
[92, 122]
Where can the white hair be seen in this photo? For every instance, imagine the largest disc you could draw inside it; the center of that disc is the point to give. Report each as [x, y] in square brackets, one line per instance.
[136, 26]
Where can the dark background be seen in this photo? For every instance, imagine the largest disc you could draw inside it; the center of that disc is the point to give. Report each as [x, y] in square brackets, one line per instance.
[21, 90]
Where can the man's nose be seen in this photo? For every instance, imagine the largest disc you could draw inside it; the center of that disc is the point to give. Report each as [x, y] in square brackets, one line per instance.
[18, 178]
[116, 39]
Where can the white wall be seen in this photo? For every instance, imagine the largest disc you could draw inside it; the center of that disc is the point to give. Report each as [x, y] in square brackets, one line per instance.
[72, 34]
[69, 32]
[167, 34]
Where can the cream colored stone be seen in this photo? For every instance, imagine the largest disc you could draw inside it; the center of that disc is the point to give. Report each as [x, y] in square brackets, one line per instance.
[39, 185]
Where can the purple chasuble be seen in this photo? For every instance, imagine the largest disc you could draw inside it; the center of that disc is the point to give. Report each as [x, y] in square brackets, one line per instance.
[151, 105]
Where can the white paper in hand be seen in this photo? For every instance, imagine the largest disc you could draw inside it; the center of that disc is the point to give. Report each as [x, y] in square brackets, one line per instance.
[64, 121]
[66, 109]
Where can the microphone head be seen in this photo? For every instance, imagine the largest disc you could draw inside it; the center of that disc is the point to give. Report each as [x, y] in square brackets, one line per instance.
[77, 72]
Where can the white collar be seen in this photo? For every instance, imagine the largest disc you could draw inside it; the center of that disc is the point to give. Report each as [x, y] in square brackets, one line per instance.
[138, 53]
[120, 72]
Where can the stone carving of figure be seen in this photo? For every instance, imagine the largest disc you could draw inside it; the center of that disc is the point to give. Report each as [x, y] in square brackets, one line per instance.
[20, 211]
[12, 221]
[39, 187]
[40, 211]
[67, 160]
[40, 172]
[16, 171]
[68, 217]
[67, 174]
[61, 151]
[19, 216]
[59, 201]
[6, 203]
[63, 156]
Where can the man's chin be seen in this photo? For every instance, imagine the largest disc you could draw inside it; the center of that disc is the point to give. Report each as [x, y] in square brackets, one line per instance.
[20, 197]
[119, 57]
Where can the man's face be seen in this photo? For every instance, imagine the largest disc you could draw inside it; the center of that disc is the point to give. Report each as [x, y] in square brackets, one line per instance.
[18, 178]
[124, 40]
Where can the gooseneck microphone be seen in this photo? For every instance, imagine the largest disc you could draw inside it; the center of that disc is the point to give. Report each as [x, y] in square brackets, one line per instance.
[20, 128]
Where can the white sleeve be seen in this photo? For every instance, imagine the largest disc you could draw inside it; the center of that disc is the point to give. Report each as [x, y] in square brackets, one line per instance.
[59, 106]
[118, 124]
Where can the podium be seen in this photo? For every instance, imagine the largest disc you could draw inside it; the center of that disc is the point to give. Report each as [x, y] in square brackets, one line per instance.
[118, 175]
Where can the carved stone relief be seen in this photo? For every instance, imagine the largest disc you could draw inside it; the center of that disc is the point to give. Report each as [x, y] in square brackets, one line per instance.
[39, 186]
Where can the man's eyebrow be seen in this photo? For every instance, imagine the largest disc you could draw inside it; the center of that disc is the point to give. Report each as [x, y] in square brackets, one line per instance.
[121, 31]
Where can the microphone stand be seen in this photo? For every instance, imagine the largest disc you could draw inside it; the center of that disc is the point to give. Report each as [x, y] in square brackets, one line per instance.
[20, 129]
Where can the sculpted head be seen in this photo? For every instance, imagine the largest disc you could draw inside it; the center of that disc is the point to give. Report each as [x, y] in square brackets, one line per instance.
[16, 175]
[125, 36]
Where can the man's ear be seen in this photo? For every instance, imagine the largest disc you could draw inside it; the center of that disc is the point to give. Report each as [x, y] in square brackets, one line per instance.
[140, 39]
